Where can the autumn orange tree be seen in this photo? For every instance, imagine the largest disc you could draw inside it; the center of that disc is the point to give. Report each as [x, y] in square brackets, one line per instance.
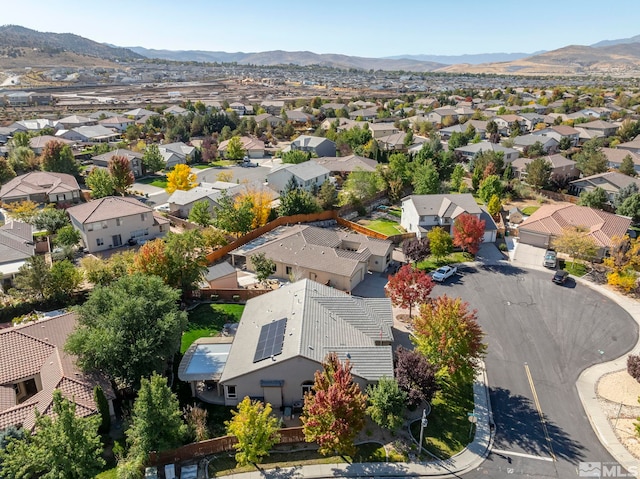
[121, 174]
[468, 231]
[409, 286]
[447, 333]
[334, 414]
[152, 258]
[260, 199]
[181, 178]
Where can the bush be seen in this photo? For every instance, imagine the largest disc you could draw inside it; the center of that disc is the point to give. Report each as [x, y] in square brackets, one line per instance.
[633, 366]
[502, 247]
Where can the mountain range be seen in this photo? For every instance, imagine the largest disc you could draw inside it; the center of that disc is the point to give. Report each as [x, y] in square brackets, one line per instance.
[20, 47]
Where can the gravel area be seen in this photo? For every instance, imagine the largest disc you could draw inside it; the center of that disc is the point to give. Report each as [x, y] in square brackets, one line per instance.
[618, 396]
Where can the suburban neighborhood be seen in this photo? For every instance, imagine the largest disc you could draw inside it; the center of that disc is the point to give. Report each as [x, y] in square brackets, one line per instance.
[432, 281]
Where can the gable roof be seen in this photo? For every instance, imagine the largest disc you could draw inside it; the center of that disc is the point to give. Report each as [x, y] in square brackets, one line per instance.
[319, 320]
[616, 155]
[40, 141]
[38, 182]
[444, 206]
[128, 154]
[310, 141]
[618, 180]
[553, 219]
[16, 242]
[107, 208]
[219, 270]
[347, 163]
[482, 146]
[557, 161]
[37, 349]
[180, 148]
[307, 170]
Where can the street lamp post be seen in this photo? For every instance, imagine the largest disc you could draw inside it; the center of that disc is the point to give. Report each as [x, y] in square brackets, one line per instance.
[423, 424]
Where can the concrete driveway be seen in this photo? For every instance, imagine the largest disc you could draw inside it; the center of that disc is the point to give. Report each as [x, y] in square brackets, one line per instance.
[527, 256]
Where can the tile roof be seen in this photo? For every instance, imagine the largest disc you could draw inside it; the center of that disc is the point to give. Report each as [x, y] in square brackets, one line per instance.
[38, 182]
[16, 242]
[553, 219]
[40, 141]
[36, 349]
[320, 320]
[617, 180]
[128, 154]
[107, 208]
[616, 155]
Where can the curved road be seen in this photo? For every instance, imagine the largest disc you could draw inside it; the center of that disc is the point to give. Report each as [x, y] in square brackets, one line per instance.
[541, 336]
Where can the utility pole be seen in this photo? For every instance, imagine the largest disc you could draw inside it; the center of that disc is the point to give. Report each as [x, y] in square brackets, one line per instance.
[423, 424]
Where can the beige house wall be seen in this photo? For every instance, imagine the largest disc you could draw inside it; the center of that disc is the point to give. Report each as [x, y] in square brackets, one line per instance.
[344, 283]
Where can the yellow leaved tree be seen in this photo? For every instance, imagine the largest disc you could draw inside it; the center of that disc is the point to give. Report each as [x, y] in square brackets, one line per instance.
[181, 178]
[261, 199]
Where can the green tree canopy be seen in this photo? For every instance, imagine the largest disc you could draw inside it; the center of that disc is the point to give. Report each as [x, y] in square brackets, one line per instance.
[200, 213]
[596, 198]
[631, 207]
[234, 217]
[51, 219]
[100, 183]
[235, 149]
[440, 242]
[6, 171]
[361, 185]
[128, 329]
[295, 157]
[255, 429]
[426, 180]
[591, 160]
[627, 166]
[121, 174]
[58, 157]
[490, 186]
[62, 447]
[297, 201]
[538, 172]
[387, 403]
[264, 266]
[152, 159]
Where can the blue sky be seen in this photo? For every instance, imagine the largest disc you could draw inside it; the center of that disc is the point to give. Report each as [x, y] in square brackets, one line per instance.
[373, 28]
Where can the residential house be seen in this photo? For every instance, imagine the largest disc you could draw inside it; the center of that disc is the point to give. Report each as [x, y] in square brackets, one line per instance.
[34, 363]
[393, 143]
[420, 213]
[561, 167]
[343, 165]
[616, 155]
[550, 221]
[138, 113]
[16, 247]
[41, 187]
[604, 128]
[102, 114]
[313, 144]
[35, 125]
[308, 175]
[332, 106]
[89, 134]
[221, 276]
[283, 338]
[133, 158]
[253, 147]
[439, 114]
[178, 153]
[238, 107]
[272, 120]
[632, 146]
[110, 222]
[37, 143]
[175, 110]
[379, 130]
[273, 107]
[334, 257]
[299, 117]
[340, 124]
[530, 120]
[75, 121]
[549, 144]
[611, 182]
[559, 132]
[6, 132]
[117, 123]
[506, 124]
[364, 114]
[467, 152]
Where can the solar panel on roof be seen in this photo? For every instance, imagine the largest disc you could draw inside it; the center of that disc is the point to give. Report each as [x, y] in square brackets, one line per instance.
[271, 340]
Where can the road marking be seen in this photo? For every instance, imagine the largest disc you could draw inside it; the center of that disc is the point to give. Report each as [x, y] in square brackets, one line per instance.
[521, 454]
[537, 403]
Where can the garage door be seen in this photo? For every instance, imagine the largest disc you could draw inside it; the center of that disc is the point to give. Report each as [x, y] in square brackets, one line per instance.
[540, 240]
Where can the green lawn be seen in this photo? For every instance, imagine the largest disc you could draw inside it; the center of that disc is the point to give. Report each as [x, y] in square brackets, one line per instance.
[395, 211]
[575, 268]
[431, 262]
[109, 474]
[225, 463]
[204, 166]
[384, 226]
[448, 430]
[158, 181]
[224, 163]
[529, 210]
[208, 320]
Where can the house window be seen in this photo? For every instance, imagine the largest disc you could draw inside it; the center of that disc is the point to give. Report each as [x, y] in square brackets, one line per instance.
[104, 224]
[231, 392]
[90, 227]
[99, 241]
[118, 221]
[307, 388]
[288, 270]
[143, 216]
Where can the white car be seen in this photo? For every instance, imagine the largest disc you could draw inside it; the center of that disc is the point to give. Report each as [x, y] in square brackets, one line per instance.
[443, 273]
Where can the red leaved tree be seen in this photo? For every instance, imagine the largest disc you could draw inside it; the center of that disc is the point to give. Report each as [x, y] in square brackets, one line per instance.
[334, 414]
[416, 376]
[121, 174]
[449, 336]
[468, 231]
[409, 286]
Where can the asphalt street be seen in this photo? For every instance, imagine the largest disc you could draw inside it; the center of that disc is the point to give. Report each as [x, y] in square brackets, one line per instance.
[540, 337]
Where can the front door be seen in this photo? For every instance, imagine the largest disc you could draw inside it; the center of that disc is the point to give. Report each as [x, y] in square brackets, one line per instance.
[117, 240]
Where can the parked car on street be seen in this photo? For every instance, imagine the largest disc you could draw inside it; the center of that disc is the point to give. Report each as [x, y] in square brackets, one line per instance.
[443, 273]
[560, 277]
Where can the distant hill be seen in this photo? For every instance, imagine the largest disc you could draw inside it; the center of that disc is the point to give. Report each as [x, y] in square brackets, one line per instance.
[14, 40]
[473, 59]
[280, 57]
[608, 43]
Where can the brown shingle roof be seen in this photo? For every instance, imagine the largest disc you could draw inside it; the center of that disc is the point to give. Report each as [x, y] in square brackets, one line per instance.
[38, 182]
[107, 208]
[601, 226]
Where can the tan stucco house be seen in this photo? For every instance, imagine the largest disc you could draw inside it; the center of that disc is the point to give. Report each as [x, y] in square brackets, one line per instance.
[41, 187]
[112, 221]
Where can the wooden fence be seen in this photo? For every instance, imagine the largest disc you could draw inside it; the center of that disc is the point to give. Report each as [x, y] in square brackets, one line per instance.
[214, 446]
[182, 223]
[228, 295]
[280, 221]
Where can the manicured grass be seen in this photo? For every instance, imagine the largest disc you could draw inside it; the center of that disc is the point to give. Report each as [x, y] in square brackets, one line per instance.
[529, 210]
[393, 211]
[431, 262]
[205, 166]
[384, 226]
[208, 320]
[108, 474]
[225, 464]
[448, 430]
[158, 181]
[224, 163]
[575, 268]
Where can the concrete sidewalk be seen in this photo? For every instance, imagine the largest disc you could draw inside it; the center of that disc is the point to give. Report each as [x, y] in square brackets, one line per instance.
[468, 459]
